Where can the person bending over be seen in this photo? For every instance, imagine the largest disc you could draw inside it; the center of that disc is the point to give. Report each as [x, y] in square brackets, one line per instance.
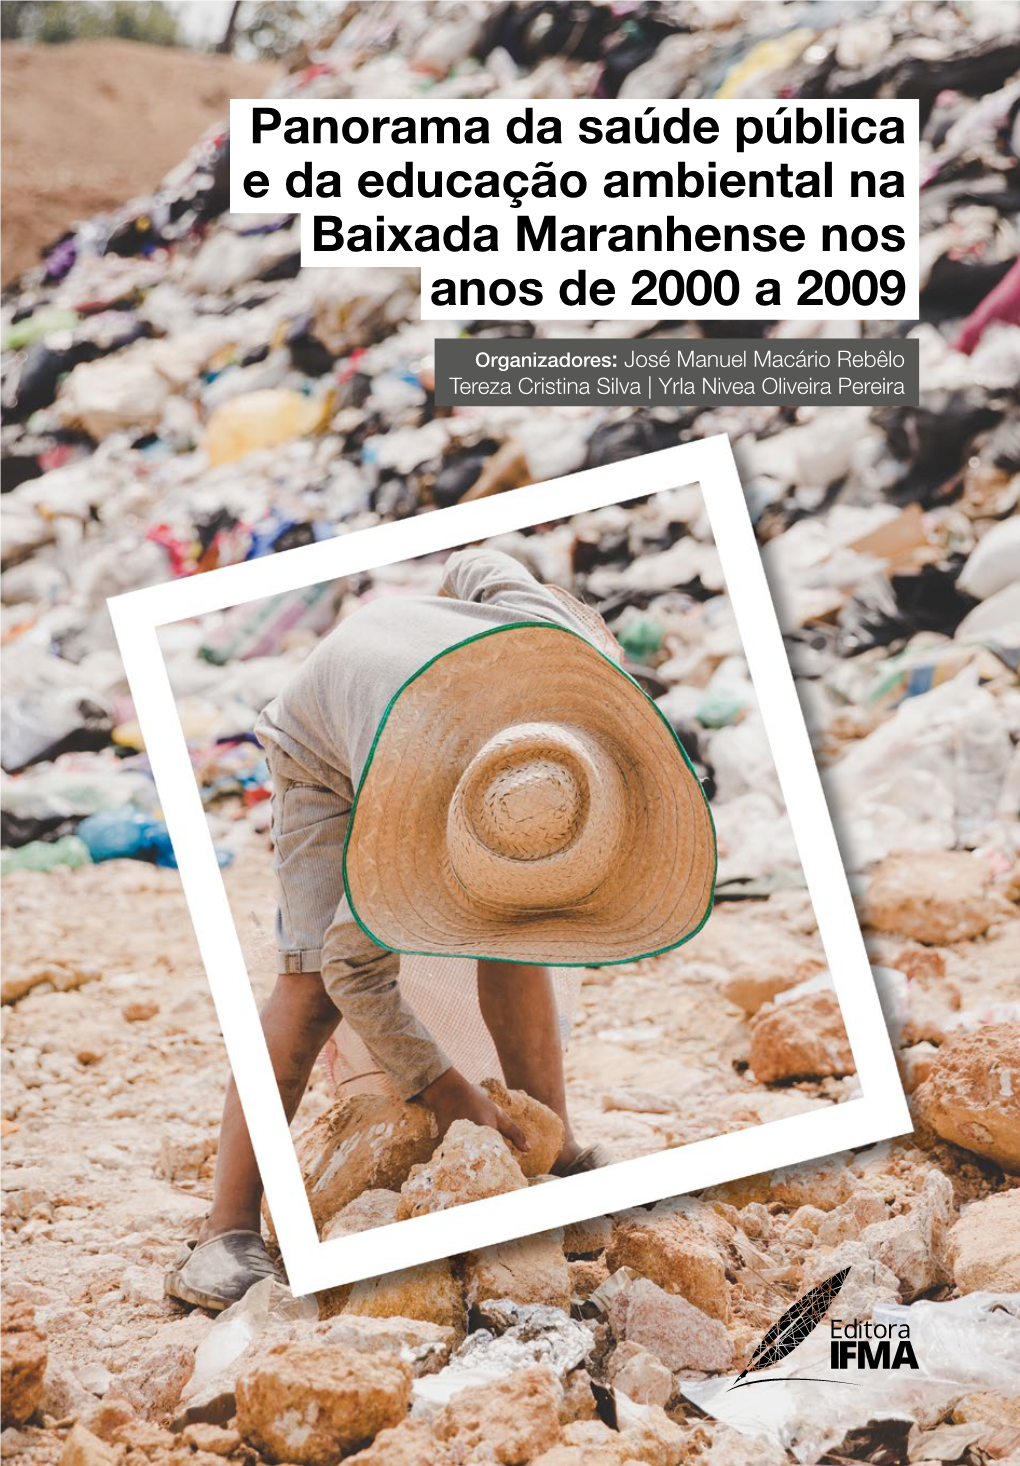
[469, 775]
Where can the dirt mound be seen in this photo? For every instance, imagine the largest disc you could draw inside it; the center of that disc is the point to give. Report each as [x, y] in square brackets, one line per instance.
[71, 150]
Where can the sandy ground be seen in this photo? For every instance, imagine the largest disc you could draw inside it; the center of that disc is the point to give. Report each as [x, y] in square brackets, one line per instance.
[71, 150]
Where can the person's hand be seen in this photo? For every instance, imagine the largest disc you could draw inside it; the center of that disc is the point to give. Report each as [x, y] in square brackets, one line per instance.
[451, 1097]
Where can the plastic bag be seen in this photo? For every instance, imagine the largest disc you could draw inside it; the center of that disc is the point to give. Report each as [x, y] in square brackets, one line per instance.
[46, 855]
[995, 562]
[132, 834]
[45, 722]
[908, 785]
[119, 392]
[237, 1327]
[263, 420]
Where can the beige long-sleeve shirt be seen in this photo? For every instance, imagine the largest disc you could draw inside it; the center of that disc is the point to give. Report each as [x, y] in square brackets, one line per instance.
[324, 723]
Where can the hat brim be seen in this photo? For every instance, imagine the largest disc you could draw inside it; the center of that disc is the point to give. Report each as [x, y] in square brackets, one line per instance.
[397, 874]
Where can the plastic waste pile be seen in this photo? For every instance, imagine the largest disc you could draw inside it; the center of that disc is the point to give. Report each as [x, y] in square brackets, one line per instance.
[179, 395]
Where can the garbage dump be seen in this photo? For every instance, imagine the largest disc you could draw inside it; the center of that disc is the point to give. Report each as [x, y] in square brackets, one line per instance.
[179, 395]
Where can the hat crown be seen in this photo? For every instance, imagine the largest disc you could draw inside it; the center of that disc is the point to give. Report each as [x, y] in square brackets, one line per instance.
[531, 806]
[535, 818]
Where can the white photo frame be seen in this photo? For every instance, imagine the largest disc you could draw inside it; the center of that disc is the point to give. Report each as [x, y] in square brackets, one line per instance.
[879, 1113]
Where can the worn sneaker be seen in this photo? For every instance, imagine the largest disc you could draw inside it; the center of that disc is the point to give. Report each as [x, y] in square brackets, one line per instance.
[216, 1273]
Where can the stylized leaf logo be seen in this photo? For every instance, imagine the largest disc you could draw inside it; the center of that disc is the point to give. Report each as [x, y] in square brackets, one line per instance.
[793, 1327]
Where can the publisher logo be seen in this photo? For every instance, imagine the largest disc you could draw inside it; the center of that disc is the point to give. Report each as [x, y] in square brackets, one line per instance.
[854, 1345]
[868, 1345]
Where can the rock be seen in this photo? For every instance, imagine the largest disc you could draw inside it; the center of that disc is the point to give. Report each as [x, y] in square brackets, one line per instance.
[423, 1346]
[774, 962]
[848, 1220]
[140, 1010]
[931, 896]
[578, 1402]
[920, 964]
[24, 1200]
[188, 1157]
[823, 1184]
[515, 1337]
[730, 1448]
[601, 1447]
[986, 1408]
[374, 1208]
[312, 1404]
[639, 1374]
[913, 1245]
[211, 1396]
[868, 1283]
[580, 1456]
[411, 1443]
[656, 1440]
[89, 1044]
[930, 1015]
[983, 1247]
[331, 1301]
[673, 1250]
[542, 1127]
[680, 1335]
[64, 977]
[366, 1143]
[586, 1274]
[509, 1421]
[470, 1163]
[213, 1439]
[144, 1436]
[810, 1218]
[801, 1039]
[753, 1220]
[588, 1443]
[430, 1293]
[95, 1378]
[915, 1064]
[22, 1364]
[107, 1418]
[585, 1239]
[526, 1270]
[972, 1096]
[63, 1393]
[82, 1448]
[141, 1285]
[161, 1365]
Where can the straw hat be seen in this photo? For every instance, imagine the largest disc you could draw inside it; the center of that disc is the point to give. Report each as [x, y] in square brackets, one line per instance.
[525, 801]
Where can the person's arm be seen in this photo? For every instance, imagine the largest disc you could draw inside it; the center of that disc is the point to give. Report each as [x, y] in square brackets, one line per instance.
[482, 575]
[491, 577]
[361, 979]
[363, 985]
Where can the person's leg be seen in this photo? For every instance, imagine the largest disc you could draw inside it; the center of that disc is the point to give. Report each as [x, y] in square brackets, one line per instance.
[297, 1021]
[518, 1005]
